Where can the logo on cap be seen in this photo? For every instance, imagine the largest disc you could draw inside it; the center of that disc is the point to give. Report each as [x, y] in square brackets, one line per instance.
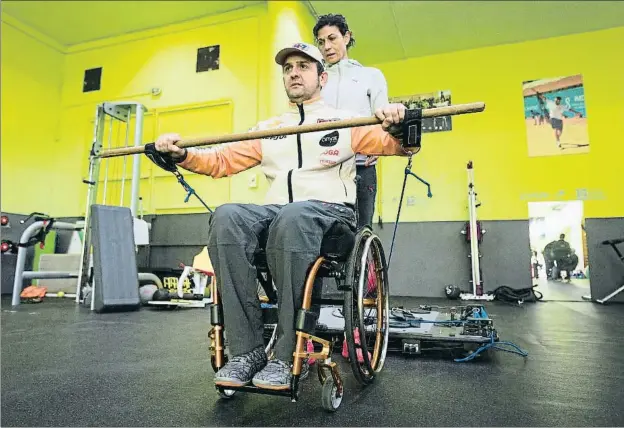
[300, 46]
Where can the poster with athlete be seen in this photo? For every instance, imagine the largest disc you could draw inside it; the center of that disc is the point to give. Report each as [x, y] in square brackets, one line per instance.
[430, 100]
[555, 116]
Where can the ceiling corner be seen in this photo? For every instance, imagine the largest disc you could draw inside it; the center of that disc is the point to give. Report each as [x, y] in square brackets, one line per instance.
[34, 33]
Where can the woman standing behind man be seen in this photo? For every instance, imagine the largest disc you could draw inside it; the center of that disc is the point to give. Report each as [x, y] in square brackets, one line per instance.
[351, 87]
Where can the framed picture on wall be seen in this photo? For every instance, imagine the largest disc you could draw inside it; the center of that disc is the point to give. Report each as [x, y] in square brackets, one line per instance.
[429, 100]
[555, 116]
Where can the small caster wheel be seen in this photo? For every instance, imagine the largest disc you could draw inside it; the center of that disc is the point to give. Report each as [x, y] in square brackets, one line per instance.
[225, 394]
[329, 395]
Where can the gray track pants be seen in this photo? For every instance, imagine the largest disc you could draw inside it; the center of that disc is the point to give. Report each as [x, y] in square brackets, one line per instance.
[292, 236]
[366, 194]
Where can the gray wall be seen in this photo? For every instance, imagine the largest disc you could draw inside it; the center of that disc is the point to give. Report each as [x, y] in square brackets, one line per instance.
[428, 256]
[606, 272]
[175, 239]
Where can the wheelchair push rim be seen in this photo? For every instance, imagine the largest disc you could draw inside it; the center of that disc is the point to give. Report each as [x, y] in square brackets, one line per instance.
[368, 252]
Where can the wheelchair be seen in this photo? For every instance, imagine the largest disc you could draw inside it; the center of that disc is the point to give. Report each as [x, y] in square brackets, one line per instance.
[356, 261]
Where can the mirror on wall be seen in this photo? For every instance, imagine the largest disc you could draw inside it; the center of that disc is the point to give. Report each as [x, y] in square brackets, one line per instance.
[559, 258]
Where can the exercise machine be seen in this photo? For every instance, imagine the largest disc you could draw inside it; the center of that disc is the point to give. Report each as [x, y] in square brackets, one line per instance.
[458, 329]
[613, 244]
[34, 234]
[195, 299]
[108, 115]
[474, 234]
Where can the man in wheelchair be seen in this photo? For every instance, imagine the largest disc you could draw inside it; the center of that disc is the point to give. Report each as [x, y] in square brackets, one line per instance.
[311, 194]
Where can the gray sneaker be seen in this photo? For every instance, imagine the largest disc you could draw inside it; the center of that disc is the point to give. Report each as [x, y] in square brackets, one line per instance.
[277, 375]
[240, 370]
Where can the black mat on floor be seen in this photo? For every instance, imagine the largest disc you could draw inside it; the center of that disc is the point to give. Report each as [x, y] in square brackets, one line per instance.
[65, 366]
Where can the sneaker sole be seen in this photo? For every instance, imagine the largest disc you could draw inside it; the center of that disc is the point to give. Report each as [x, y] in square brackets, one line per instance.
[230, 383]
[262, 385]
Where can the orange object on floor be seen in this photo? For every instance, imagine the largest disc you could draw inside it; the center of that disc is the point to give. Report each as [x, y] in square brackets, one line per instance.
[33, 294]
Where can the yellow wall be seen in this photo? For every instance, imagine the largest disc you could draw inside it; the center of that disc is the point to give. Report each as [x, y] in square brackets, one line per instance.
[46, 86]
[495, 140]
[192, 104]
[287, 22]
[246, 89]
[32, 76]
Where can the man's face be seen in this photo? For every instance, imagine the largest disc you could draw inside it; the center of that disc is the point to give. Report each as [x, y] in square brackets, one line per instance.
[332, 44]
[301, 79]
[557, 100]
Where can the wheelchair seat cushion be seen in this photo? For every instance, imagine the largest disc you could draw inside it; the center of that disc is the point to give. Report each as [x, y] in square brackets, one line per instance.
[336, 245]
[338, 242]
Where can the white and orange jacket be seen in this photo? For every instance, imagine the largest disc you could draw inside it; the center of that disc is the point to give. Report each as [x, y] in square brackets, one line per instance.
[315, 165]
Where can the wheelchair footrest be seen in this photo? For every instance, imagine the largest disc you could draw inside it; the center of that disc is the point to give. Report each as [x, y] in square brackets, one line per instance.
[306, 321]
[255, 389]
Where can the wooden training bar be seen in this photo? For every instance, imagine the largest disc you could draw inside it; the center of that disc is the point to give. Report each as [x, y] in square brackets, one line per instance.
[298, 129]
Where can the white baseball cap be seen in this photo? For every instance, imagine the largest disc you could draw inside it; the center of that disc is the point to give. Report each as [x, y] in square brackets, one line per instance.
[299, 47]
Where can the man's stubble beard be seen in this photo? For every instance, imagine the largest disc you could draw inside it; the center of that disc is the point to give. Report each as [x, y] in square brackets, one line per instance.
[305, 96]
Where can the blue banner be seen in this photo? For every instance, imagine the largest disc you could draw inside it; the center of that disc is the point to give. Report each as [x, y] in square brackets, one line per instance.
[573, 98]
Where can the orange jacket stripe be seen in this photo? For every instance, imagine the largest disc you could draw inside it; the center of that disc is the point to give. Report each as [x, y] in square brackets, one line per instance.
[224, 161]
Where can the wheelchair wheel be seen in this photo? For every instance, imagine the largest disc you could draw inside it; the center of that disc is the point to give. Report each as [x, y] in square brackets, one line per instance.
[366, 307]
[329, 395]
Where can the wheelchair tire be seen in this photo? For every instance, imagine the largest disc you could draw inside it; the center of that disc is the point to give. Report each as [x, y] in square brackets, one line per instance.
[368, 247]
[329, 395]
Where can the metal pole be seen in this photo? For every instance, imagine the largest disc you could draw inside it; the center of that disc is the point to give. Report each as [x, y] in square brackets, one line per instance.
[125, 159]
[49, 275]
[94, 175]
[18, 281]
[110, 139]
[474, 243]
[136, 166]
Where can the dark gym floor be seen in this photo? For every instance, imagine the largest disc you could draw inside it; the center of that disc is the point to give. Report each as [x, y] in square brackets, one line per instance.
[65, 366]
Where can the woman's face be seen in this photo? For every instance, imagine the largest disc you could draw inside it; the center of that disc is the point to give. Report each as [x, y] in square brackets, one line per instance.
[332, 44]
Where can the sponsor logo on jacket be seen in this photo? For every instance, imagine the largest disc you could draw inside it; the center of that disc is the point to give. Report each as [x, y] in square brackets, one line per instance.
[330, 139]
[330, 157]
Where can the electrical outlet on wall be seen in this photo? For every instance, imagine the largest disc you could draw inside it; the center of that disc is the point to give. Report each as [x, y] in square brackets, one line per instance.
[253, 181]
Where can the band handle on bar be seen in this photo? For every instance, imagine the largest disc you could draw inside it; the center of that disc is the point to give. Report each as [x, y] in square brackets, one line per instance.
[412, 128]
[163, 160]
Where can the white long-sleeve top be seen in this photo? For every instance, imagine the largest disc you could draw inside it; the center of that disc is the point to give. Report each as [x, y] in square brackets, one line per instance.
[355, 88]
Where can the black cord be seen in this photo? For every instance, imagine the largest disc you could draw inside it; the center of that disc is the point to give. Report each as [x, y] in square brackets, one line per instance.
[166, 162]
[189, 190]
[408, 172]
